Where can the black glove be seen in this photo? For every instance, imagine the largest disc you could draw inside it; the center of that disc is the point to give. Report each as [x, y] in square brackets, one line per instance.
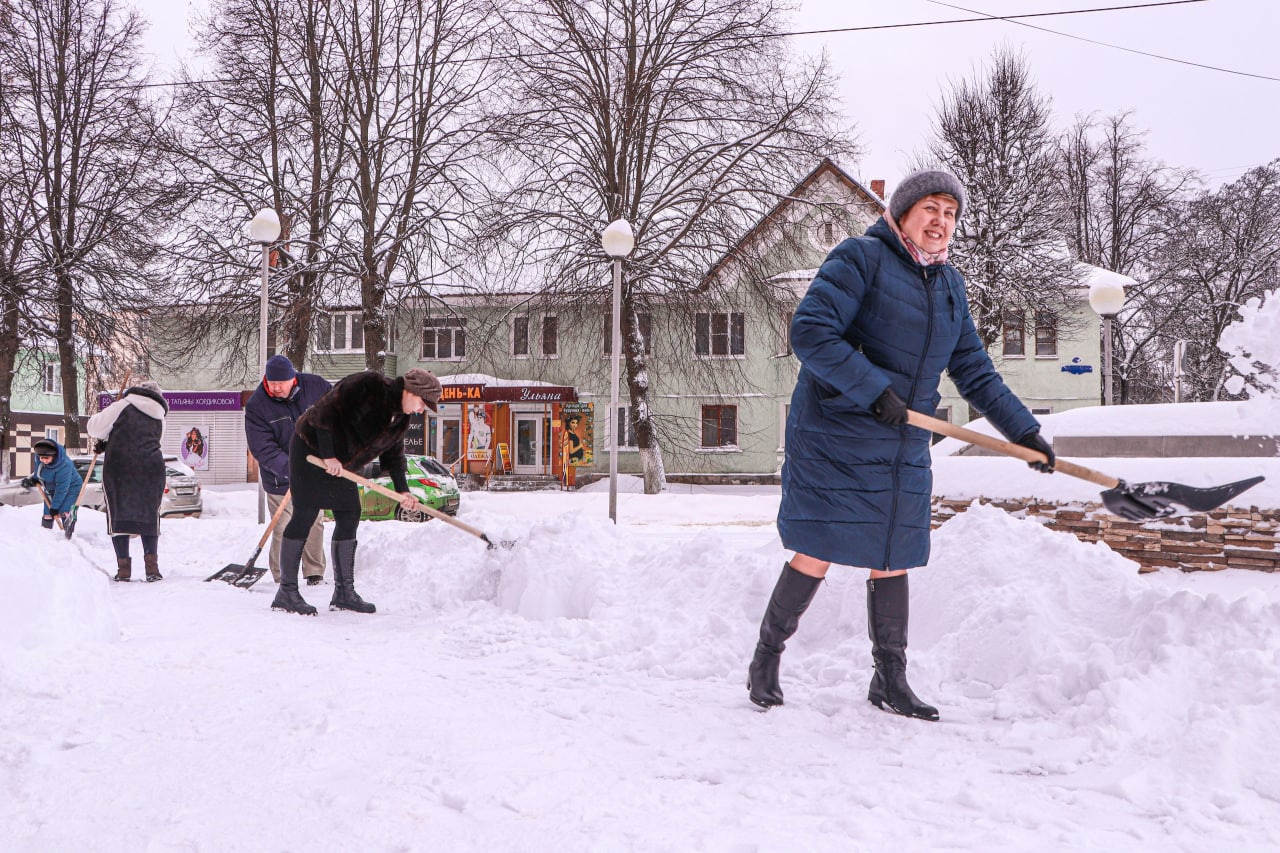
[1033, 441]
[100, 446]
[29, 482]
[889, 408]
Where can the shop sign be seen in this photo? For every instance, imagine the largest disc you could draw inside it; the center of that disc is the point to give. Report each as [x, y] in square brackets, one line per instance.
[461, 393]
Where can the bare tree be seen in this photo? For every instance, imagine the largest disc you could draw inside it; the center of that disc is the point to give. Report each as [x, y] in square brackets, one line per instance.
[259, 131]
[993, 132]
[1121, 205]
[92, 138]
[685, 118]
[1222, 250]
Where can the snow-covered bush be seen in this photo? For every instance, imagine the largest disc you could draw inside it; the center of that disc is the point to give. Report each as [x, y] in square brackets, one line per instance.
[1252, 347]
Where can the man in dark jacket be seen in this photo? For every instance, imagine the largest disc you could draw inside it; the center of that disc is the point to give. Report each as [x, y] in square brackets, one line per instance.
[270, 417]
[133, 473]
[57, 474]
[363, 418]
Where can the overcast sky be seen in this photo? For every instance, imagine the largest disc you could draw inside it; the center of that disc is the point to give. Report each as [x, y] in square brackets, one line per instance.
[1217, 122]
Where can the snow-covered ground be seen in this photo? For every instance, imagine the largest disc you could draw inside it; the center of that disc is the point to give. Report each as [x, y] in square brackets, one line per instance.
[584, 690]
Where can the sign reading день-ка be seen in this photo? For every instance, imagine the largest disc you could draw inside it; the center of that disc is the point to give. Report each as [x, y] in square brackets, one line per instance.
[507, 394]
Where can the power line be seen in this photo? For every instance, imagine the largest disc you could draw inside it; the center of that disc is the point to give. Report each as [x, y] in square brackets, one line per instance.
[1013, 20]
[983, 18]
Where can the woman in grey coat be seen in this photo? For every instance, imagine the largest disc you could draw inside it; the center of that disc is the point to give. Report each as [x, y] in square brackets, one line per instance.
[133, 472]
[884, 317]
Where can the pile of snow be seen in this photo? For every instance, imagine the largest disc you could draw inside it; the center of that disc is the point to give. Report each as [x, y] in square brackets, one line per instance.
[584, 689]
[1253, 346]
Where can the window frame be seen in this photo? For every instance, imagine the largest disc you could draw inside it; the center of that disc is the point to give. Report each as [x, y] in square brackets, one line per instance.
[1046, 334]
[1013, 322]
[518, 321]
[723, 442]
[550, 334]
[643, 319]
[456, 327]
[352, 327]
[51, 377]
[706, 336]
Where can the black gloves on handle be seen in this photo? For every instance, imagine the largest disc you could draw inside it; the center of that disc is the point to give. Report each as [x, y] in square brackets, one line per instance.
[29, 482]
[99, 446]
[889, 408]
[1033, 441]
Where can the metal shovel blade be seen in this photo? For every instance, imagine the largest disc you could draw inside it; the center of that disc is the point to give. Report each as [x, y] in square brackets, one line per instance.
[227, 573]
[248, 577]
[1144, 501]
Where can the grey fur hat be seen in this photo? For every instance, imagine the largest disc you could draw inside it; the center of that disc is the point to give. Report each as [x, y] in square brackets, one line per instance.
[917, 185]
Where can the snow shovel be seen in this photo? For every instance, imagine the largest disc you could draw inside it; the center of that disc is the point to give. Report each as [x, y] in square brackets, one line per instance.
[247, 575]
[44, 497]
[1135, 502]
[434, 513]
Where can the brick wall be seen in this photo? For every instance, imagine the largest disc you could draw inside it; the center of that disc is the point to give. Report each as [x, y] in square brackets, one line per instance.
[1227, 538]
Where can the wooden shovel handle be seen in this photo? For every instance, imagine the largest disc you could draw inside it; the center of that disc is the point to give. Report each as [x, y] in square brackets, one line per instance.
[396, 496]
[1008, 448]
[275, 516]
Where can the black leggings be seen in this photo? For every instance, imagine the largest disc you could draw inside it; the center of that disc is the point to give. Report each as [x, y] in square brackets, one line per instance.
[345, 522]
[121, 544]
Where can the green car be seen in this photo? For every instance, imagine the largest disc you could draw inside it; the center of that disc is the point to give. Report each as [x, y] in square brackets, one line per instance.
[429, 481]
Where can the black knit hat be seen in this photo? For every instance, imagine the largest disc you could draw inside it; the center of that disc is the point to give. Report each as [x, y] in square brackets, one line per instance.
[279, 369]
[917, 185]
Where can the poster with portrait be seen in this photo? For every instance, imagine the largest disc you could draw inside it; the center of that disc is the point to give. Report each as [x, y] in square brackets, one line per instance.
[479, 432]
[195, 448]
[579, 432]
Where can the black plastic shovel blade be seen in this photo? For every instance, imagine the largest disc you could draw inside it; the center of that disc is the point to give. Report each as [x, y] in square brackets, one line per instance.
[227, 573]
[69, 523]
[1143, 501]
[248, 577]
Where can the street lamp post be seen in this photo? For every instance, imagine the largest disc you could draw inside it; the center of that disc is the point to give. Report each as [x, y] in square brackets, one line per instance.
[1106, 297]
[264, 229]
[618, 241]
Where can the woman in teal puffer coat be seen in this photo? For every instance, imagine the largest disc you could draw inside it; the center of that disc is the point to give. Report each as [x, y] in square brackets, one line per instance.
[884, 317]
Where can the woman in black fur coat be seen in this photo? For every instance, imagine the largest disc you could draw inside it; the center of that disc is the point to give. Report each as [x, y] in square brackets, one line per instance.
[133, 473]
[364, 417]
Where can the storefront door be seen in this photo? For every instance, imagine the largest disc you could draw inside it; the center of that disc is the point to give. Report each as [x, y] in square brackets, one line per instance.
[528, 441]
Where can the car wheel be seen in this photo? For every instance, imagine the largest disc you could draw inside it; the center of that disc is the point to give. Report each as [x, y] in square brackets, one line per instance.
[415, 515]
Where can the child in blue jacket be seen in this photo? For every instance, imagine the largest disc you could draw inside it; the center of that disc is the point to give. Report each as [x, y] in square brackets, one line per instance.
[57, 473]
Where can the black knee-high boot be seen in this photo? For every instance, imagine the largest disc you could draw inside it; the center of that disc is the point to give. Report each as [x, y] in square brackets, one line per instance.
[887, 608]
[791, 598]
[287, 597]
[345, 596]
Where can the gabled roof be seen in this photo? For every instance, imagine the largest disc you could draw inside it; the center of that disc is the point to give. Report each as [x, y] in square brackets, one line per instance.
[796, 196]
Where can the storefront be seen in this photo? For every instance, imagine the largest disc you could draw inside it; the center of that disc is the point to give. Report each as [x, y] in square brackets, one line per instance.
[505, 427]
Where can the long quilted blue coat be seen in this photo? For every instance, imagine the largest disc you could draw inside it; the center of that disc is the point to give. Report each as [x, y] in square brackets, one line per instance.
[855, 491]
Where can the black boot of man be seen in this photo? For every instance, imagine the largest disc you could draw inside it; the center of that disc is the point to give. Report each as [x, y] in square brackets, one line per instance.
[887, 609]
[288, 599]
[345, 596]
[791, 598]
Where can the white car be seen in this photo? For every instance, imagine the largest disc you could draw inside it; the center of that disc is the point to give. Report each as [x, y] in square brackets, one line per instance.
[182, 493]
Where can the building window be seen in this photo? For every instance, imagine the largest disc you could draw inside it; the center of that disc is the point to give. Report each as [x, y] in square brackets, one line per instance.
[1015, 345]
[1046, 335]
[339, 331]
[719, 426]
[444, 339]
[51, 377]
[550, 337]
[785, 332]
[719, 334]
[520, 336]
[644, 321]
[627, 429]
